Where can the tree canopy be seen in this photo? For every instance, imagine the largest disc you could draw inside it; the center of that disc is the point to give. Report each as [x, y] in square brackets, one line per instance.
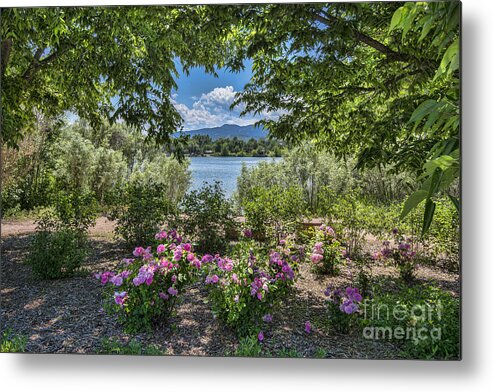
[79, 58]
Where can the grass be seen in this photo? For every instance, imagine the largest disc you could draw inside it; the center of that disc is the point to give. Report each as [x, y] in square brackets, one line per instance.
[12, 343]
[111, 346]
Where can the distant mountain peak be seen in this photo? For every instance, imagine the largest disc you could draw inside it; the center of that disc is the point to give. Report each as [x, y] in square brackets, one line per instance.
[244, 132]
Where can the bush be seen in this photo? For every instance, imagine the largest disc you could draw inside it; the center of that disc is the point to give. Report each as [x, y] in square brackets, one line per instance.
[423, 320]
[207, 216]
[243, 291]
[249, 347]
[343, 307]
[273, 212]
[57, 254]
[327, 253]
[144, 207]
[60, 244]
[400, 254]
[143, 291]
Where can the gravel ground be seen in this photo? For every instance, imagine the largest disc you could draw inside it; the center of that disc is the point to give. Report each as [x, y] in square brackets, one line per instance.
[65, 316]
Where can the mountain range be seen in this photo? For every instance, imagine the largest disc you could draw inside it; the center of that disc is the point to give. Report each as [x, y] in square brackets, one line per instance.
[245, 132]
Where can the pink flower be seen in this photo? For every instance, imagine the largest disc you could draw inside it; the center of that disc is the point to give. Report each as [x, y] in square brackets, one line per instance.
[316, 258]
[139, 251]
[187, 247]
[261, 336]
[161, 235]
[117, 280]
[207, 258]
[235, 279]
[172, 291]
[106, 276]
[163, 295]
[190, 257]
[128, 261]
[173, 278]
[308, 327]
[161, 248]
[120, 298]
[215, 279]
[248, 233]
[267, 318]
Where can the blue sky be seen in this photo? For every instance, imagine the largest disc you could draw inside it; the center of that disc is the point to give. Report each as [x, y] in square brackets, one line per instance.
[203, 100]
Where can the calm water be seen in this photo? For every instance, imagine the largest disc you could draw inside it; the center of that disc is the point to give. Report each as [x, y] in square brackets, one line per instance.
[223, 169]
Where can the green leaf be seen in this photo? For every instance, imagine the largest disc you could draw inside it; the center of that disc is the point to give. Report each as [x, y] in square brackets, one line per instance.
[413, 201]
[428, 217]
[422, 110]
[396, 18]
[454, 201]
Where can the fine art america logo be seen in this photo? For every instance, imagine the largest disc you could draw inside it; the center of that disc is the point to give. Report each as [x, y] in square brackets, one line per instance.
[402, 322]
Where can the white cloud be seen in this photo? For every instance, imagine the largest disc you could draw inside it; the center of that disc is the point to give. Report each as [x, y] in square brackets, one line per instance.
[212, 109]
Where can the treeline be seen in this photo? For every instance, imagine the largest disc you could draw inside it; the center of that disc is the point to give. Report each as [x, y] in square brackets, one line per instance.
[58, 159]
[201, 145]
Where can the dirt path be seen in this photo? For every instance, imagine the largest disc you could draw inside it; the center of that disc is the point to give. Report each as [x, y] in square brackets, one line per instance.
[103, 227]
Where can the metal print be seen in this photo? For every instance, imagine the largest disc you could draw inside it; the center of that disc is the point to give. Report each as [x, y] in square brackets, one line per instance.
[262, 180]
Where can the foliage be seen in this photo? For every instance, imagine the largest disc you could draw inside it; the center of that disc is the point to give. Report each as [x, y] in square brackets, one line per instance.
[248, 347]
[12, 343]
[144, 289]
[101, 52]
[133, 347]
[144, 207]
[208, 217]
[243, 290]
[350, 216]
[327, 253]
[343, 307]
[437, 114]
[400, 254]
[423, 320]
[60, 244]
[273, 212]
[57, 254]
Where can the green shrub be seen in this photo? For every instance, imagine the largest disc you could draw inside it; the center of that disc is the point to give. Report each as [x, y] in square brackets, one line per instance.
[144, 207]
[273, 212]
[57, 254]
[423, 320]
[60, 244]
[207, 217]
[12, 343]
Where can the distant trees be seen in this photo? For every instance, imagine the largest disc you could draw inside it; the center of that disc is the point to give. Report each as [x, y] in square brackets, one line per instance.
[204, 145]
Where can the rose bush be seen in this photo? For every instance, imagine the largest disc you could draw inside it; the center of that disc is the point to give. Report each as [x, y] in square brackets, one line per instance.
[327, 252]
[401, 254]
[343, 307]
[144, 289]
[244, 290]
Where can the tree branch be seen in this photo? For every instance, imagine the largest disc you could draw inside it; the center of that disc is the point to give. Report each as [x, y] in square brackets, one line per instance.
[5, 54]
[36, 63]
[329, 20]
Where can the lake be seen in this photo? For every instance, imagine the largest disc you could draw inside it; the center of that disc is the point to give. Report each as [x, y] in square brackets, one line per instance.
[223, 169]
